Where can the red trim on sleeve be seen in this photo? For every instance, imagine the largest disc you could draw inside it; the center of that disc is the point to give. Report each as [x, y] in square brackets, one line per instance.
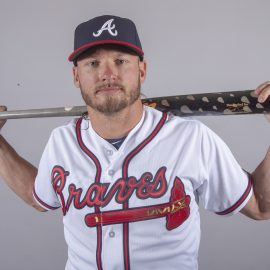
[43, 203]
[240, 201]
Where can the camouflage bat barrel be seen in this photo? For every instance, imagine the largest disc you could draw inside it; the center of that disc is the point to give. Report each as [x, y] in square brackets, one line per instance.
[218, 103]
[221, 103]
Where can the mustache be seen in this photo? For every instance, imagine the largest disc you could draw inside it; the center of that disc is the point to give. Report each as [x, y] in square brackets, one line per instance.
[109, 85]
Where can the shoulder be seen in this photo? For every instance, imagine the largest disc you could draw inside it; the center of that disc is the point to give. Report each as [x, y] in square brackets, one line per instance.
[179, 122]
[180, 126]
[67, 129]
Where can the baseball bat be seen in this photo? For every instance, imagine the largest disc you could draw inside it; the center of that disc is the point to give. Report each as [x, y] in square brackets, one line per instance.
[217, 103]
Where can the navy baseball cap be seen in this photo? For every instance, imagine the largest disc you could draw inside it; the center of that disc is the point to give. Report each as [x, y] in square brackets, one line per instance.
[106, 29]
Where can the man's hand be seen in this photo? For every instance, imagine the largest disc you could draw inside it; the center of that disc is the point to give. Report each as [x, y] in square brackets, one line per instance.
[2, 122]
[263, 92]
[258, 207]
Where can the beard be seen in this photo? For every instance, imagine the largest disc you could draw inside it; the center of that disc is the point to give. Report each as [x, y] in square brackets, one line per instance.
[111, 104]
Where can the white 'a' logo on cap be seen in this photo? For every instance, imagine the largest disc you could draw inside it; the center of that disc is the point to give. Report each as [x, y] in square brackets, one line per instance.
[106, 26]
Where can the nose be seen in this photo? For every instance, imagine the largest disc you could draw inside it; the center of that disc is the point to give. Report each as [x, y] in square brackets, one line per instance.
[108, 73]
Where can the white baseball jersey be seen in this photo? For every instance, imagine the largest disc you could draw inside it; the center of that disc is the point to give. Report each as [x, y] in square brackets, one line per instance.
[137, 207]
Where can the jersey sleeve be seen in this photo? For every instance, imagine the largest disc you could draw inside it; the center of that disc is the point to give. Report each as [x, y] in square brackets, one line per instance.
[43, 191]
[225, 187]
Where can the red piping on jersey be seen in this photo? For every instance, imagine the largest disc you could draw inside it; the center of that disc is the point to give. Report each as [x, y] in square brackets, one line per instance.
[87, 151]
[240, 201]
[125, 176]
[42, 202]
[97, 180]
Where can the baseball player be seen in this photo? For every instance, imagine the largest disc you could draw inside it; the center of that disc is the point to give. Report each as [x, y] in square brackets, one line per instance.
[128, 178]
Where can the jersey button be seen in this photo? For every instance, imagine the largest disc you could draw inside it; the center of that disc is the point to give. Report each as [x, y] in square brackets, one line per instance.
[109, 152]
[112, 234]
[111, 172]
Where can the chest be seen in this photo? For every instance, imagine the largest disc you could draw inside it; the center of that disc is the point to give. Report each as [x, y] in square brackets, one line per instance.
[110, 187]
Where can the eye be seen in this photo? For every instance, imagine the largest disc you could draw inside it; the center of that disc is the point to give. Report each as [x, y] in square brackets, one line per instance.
[120, 61]
[93, 63]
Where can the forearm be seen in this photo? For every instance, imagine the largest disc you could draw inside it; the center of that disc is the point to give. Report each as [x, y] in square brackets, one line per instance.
[18, 173]
[261, 186]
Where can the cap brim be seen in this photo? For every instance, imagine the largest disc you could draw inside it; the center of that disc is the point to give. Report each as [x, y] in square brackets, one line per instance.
[73, 56]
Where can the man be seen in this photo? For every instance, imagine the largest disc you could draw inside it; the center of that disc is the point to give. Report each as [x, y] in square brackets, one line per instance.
[128, 178]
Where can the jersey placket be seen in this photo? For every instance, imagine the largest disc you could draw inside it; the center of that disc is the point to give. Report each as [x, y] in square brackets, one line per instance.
[112, 234]
[125, 175]
[114, 161]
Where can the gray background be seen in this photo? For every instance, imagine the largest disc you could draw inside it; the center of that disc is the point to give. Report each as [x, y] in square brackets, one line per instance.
[191, 47]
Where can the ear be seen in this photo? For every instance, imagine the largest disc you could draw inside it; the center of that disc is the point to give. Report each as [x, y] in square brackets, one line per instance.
[142, 68]
[76, 77]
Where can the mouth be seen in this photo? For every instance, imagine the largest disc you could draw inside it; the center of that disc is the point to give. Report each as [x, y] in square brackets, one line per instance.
[109, 89]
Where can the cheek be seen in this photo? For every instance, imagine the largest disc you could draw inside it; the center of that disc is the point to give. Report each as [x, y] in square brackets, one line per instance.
[131, 76]
[86, 81]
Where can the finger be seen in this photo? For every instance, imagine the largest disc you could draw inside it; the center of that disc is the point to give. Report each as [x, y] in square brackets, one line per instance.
[262, 87]
[2, 109]
[263, 91]
[264, 94]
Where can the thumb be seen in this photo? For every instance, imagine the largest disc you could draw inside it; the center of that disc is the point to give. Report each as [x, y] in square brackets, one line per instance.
[2, 122]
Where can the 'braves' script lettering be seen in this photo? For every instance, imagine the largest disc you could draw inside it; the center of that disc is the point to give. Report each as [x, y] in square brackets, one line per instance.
[100, 194]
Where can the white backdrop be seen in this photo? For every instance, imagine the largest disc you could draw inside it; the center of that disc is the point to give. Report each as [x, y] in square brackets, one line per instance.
[191, 46]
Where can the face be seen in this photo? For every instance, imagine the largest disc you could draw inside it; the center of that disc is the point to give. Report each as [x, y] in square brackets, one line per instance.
[109, 79]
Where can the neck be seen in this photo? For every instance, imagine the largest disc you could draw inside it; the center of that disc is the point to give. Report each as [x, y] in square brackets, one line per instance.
[116, 125]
